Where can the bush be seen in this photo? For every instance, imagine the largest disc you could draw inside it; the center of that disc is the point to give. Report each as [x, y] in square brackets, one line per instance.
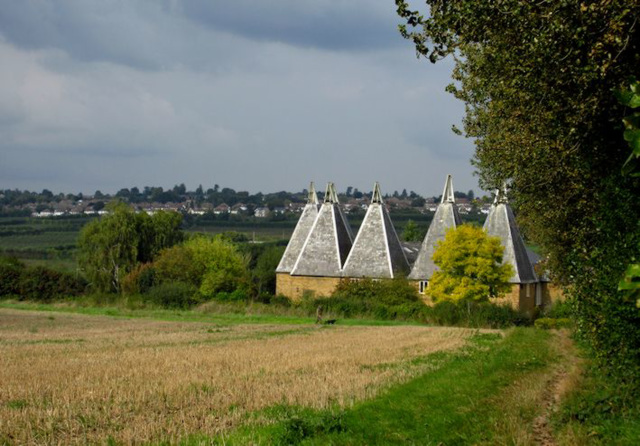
[378, 299]
[547, 323]
[173, 295]
[212, 265]
[11, 270]
[40, 283]
[472, 314]
[140, 280]
[234, 296]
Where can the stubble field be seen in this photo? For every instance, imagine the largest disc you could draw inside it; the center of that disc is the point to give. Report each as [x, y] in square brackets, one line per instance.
[69, 378]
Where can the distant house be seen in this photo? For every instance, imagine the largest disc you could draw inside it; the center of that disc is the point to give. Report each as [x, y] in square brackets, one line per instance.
[239, 208]
[261, 212]
[221, 209]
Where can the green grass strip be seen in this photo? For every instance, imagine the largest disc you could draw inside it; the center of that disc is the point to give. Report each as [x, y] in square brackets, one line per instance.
[454, 404]
[231, 318]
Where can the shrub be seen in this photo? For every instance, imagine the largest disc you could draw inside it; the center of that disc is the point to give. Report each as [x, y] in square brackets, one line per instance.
[234, 296]
[173, 295]
[379, 299]
[11, 270]
[212, 265]
[472, 314]
[140, 280]
[547, 323]
[40, 283]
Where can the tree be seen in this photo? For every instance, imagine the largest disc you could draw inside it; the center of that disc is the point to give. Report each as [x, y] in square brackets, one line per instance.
[264, 273]
[537, 80]
[111, 247]
[108, 248]
[412, 233]
[213, 265]
[471, 268]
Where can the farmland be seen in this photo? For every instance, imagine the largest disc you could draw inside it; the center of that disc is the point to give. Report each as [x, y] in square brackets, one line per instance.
[71, 378]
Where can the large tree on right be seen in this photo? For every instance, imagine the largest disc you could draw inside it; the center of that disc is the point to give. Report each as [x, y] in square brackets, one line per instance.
[538, 80]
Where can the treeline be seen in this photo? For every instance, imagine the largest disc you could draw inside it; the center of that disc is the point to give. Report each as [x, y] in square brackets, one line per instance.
[215, 196]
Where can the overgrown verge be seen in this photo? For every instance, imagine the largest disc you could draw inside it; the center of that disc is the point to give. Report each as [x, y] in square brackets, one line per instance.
[600, 410]
[467, 398]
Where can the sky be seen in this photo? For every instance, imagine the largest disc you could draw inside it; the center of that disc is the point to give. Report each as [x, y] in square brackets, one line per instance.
[252, 95]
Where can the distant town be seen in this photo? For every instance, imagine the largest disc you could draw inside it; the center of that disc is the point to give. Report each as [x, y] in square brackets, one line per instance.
[218, 203]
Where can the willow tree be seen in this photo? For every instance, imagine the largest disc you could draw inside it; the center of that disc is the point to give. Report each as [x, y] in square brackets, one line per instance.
[538, 81]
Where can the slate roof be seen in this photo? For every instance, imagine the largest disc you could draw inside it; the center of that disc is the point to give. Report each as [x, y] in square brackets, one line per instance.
[377, 251]
[502, 223]
[446, 217]
[300, 233]
[329, 241]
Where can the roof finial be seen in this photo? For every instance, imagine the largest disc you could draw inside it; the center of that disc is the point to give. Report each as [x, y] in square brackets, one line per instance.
[376, 197]
[447, 193]
[501, 195]
[312, 197]
[334, 194]
[328, 194]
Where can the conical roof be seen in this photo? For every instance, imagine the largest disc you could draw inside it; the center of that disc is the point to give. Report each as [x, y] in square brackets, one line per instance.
[446, 217]
[329, 241]
[300, 233]
[377, 251]
[502, 223]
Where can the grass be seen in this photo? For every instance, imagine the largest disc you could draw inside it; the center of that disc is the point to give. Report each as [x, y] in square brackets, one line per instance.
[227, 314]
[465, 397]
[599, 411]
[81, 379]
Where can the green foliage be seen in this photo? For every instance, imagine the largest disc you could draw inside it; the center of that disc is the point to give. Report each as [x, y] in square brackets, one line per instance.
[111, 247]
[386, 299]
[212, 265]
[547, 323]
[630, 283]
[37, 283]
[537, 80]
[412, 233]
[140, 279]
[264, 273]
[173, 295]
[470, 267]
[475, 314]
[630, 97]
[11, 270]
[600, 410]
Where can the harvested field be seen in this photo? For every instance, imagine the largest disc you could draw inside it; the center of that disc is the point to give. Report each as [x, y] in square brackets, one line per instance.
[68, 378]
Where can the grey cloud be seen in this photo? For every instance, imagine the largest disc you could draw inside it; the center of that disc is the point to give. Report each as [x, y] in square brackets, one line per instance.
[332, 25]
[104, 95]
[149, 35]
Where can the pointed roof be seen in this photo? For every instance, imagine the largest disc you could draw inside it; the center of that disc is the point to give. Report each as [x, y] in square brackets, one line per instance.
[447, 193]
[502, 223]
[377, 251]
[329, 241]
[445, 218]
[300, 233]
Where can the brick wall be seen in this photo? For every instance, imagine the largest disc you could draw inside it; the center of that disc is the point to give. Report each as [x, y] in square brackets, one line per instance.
[295, 286]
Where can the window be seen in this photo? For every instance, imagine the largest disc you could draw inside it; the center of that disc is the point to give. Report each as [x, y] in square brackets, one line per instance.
[422, 287]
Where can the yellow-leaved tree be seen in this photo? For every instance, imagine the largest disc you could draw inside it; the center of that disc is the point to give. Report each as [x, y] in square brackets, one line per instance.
[471, 268]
